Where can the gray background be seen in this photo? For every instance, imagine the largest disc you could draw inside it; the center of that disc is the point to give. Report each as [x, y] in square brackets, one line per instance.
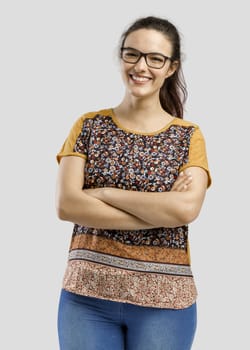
[57, 62]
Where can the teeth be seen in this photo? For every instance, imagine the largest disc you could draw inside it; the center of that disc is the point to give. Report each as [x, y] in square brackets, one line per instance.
[139, 78]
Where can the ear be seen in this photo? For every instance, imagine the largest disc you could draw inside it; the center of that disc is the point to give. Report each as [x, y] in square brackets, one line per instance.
[172, 68]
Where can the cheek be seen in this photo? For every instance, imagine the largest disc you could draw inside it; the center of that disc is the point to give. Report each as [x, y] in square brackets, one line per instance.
[124, 71]
[161, 78]
[123, 74]
[167, 72]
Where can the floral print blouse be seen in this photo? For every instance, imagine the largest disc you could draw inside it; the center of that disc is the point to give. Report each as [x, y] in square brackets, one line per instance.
[149, 267]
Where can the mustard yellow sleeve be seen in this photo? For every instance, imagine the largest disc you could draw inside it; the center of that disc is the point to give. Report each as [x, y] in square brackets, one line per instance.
[197, 153]
[76, 142]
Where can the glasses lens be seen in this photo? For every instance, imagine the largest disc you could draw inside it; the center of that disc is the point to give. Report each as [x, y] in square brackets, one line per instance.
[155, 60]
[130, 55]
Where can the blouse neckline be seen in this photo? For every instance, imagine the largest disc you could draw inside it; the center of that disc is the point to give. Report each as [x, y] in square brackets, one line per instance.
[117, 123]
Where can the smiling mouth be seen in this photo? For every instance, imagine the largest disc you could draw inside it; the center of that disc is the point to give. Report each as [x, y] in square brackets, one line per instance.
[139, 79]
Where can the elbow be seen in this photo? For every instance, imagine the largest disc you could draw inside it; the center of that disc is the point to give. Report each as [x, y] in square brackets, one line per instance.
[61, 213]
[183, 216]
[188, 214]
[62, 209]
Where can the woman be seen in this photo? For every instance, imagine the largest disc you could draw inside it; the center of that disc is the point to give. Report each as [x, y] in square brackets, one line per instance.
[131, 179]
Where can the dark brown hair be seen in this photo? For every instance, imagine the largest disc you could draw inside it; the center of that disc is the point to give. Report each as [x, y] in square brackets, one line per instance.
[173, 93]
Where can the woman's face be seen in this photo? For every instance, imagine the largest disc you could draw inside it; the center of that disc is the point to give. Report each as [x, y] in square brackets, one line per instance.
[140, 79]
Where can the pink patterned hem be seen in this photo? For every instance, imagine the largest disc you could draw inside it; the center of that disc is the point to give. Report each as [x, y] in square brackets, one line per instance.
[144, 289]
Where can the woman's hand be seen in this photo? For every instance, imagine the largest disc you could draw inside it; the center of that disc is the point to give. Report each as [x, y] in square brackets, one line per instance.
[182, 182]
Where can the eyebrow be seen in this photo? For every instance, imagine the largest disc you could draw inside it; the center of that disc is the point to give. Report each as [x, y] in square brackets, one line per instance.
[152, 52]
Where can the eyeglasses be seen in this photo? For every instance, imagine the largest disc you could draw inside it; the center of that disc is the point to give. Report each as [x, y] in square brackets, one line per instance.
[153, 59]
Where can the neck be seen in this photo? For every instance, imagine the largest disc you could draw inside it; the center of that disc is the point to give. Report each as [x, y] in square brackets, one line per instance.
[142, 114]
[136, 106]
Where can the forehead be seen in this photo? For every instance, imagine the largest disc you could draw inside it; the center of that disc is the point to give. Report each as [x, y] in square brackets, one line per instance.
[149, 40]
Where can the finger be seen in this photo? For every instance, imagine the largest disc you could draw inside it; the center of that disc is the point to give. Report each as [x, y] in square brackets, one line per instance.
[182, 183]
[179, 187]
[188, 180]
[183, 178]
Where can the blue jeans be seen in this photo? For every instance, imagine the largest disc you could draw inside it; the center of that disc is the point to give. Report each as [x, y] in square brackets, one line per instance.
[86, 323]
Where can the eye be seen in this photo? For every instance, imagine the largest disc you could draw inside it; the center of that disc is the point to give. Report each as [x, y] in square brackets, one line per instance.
[131, 54]
[156, 58]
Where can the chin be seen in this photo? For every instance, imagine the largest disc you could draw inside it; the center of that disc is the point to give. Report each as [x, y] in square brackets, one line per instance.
[140, 93]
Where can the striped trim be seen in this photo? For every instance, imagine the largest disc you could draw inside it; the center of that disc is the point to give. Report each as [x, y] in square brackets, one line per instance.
[107, 246]
[130, 264]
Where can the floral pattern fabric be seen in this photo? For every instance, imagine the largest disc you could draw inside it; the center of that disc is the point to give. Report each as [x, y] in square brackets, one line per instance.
[149, 162]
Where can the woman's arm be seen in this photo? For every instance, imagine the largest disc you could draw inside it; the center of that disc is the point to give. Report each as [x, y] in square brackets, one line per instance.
[161, 209]
[74, 205]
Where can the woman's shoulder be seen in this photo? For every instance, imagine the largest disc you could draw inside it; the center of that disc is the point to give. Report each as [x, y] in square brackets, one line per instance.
[185, 123]
[92, 114]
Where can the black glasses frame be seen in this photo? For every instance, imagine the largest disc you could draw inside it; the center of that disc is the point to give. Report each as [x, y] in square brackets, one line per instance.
[145, 55]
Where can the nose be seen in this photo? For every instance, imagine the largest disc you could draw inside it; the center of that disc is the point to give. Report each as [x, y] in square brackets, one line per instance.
[141, 65]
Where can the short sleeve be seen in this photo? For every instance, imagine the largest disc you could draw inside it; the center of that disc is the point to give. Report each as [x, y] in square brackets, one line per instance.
[76, 143]
[197, 153]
